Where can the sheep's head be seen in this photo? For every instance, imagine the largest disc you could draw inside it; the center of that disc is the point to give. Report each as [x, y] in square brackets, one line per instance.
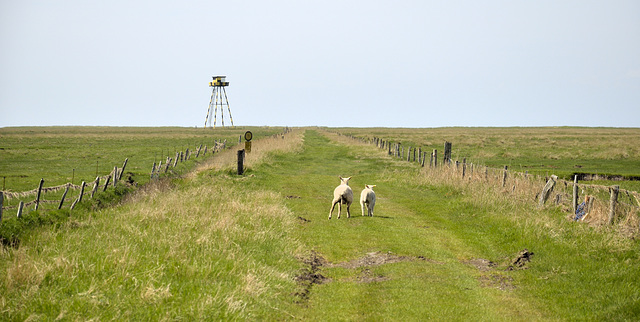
[369, 186]
[344, 181]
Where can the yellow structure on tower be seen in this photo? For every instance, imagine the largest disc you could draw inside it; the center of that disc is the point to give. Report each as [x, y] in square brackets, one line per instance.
[219, 83]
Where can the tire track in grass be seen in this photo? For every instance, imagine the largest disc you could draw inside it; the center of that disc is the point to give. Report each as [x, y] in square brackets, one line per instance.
[431, 280]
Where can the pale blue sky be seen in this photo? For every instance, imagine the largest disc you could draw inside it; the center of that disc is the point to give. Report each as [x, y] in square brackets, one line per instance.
[328, 63]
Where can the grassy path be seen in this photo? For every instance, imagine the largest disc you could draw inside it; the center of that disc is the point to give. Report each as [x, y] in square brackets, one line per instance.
[403, 262]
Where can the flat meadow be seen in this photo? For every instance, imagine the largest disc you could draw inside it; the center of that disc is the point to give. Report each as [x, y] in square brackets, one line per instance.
[203, 243]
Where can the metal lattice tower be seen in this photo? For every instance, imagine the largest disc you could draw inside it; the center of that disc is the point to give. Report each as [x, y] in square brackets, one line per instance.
[217, 99]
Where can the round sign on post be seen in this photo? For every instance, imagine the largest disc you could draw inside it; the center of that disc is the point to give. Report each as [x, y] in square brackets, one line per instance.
[247, 141]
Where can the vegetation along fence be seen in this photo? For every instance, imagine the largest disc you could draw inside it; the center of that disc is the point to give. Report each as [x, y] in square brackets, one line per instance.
[101, 183]
[598, 205]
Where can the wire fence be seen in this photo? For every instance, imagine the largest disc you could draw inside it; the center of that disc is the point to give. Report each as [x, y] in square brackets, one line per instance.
[59, 196]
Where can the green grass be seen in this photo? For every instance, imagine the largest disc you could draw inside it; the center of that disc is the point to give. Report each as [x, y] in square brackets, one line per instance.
[219, 246]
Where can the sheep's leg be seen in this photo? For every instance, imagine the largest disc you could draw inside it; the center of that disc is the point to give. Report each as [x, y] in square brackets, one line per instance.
[339, 208]
[362, 207]
[348, 212]
[333, 206]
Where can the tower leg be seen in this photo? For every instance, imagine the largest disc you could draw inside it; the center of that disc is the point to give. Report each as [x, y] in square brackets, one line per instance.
[207, 119]
[228, 107]
[215, 107]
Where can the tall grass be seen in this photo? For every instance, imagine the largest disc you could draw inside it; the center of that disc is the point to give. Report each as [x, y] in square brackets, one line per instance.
[194, 248]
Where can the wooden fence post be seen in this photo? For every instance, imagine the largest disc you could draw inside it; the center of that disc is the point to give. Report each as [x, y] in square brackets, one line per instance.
[464, 167]
[73, 204]
[419, 156]
[1, 204]
[39, 192]
[447, 152]
[95, 187]
[106, 183]
[175, 162]
[124, 165]
[435, 158]
[64, 195]
[424, 156]
[409, 154]
[115, 176]
[589, 206]
[240, 162]
[546, 191]
[504, 176]
[81, 191]
[575, 193]
[20, 207]
[613, 200]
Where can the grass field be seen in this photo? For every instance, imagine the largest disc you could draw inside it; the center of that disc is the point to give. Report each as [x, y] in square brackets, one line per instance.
[214, 245]
[65, 154]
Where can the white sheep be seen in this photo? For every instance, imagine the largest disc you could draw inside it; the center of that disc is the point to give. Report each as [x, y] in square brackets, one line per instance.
[342, 194]
[368, 198]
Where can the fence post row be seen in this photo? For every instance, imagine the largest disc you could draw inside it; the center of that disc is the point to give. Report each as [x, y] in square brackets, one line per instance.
[398, 151]
[115, 175]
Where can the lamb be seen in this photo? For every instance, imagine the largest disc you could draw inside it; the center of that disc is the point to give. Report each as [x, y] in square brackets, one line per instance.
[368, 198]
[342, 194]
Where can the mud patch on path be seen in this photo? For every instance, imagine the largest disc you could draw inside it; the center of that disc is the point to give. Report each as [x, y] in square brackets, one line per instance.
[367, 276]
[309, 276]
[373, 259]
[482, 264]
[494, 274]
[521, 260]
[303, 220]
[497, 280]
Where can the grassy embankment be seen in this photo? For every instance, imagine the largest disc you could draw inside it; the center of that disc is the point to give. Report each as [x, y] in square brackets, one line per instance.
[213, 245]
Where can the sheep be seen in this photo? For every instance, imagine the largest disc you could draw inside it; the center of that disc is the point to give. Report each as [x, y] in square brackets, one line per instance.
[368, 198]
[342, 194]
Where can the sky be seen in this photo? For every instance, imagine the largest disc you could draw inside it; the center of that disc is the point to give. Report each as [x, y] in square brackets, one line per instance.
[321, 63]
